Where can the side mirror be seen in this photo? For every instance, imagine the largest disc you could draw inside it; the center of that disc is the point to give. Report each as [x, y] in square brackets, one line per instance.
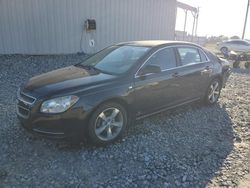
[150, 69]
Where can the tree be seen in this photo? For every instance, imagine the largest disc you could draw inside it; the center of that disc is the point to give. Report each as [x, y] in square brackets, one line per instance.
[235, 37]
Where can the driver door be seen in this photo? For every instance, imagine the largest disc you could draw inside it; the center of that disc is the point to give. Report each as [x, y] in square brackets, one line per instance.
[155, 84]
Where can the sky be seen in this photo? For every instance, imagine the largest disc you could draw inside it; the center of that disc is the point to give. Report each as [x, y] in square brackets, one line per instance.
[217, 17]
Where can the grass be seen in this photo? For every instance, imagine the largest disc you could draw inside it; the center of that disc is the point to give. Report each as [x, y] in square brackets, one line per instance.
[212, 47]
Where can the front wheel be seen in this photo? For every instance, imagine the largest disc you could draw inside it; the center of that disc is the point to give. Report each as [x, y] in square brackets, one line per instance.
[107, 124]
[213, 92]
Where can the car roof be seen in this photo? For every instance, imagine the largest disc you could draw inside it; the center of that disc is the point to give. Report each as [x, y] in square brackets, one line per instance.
[236, 40]
[156, 43]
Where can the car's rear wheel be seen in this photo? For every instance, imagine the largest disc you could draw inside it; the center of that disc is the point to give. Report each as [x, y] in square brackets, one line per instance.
[108, 123]
[247, 65]
[213, 92]
[236, 64]
[224, 50]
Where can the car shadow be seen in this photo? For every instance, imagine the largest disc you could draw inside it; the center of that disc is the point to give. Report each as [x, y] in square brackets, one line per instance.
[195, 139]
[185, 147]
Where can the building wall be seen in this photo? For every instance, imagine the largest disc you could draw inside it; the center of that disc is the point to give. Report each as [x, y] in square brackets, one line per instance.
[56, 26]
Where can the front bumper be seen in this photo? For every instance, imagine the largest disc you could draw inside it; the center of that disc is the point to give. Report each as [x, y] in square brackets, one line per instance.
[56, 127]
[71, 123]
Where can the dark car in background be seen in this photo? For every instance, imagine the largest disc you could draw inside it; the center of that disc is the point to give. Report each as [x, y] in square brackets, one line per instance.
[100, 96]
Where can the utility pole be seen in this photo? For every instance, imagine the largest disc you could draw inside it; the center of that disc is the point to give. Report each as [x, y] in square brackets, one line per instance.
[245, 24]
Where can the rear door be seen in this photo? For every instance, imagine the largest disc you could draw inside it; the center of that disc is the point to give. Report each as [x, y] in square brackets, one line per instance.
[194, 72]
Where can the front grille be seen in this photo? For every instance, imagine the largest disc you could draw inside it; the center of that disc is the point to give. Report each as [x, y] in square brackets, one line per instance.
[23, 112]
[24, 104]
[26, 98]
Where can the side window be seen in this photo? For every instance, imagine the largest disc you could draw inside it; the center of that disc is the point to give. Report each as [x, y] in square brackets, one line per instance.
[212, 56]
[245, 43]
[203, 56]
[238, 42]
[164, 58]
[189, 55]
[232, 42]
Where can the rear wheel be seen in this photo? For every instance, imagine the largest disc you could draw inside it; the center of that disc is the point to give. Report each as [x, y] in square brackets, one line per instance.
[213, 92]
[247, 65]
[224, 50]
[107, 124]
[236, 64]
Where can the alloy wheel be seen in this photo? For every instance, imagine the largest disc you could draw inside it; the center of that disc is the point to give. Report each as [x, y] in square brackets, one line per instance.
[109, 124]
[224, 50]
[214, 92]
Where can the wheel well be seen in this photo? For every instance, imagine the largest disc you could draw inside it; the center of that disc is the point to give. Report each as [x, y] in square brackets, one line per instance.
[219, 77]
[116, 100]
[224, 47]
[120, 101]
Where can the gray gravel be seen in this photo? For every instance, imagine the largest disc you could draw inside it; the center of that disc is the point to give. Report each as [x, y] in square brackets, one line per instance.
[191, 146]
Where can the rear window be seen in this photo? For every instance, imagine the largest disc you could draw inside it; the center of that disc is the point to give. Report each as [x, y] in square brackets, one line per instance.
[189, 55]
[212, 56]
[203, 56]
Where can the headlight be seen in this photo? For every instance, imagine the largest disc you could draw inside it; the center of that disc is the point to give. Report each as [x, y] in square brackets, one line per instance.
[58, 105]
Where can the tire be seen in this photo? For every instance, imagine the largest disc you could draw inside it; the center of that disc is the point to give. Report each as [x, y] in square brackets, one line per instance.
[107, 124]
[236, 64]
[224, 50]
[247, 65]
[210, 98]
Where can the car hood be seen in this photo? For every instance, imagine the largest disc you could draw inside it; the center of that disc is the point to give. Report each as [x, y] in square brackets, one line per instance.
[68, 79]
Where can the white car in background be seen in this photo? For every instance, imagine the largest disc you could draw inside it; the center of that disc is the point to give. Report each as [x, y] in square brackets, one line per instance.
[234, 45]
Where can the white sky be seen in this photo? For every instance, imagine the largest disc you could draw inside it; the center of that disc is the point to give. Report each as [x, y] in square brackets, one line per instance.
[217, 17]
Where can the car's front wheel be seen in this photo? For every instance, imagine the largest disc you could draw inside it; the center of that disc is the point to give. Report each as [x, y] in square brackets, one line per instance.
[213, 92]
[108, 123]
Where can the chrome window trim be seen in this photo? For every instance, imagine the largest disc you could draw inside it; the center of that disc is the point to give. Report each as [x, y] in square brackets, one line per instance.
[174, 46]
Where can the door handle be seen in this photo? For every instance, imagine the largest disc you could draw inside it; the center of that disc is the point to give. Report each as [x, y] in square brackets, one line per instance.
[176, 75]
[207, 69]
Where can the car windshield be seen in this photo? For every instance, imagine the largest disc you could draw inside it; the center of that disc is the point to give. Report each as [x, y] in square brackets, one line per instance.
[115, 59]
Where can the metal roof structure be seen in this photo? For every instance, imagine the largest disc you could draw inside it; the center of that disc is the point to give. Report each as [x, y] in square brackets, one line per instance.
[195, 14]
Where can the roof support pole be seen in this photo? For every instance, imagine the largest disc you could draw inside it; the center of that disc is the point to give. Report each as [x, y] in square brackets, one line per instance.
[194, 15]
[197, 18]
[185, 23]
[245, 24]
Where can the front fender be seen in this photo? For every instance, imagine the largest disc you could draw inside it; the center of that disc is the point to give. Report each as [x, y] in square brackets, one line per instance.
[122, 92]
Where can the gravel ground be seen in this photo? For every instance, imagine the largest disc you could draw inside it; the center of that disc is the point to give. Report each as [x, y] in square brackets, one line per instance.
[191, 146]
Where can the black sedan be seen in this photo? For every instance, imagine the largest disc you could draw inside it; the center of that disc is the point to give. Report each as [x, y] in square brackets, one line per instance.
[100, 96]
